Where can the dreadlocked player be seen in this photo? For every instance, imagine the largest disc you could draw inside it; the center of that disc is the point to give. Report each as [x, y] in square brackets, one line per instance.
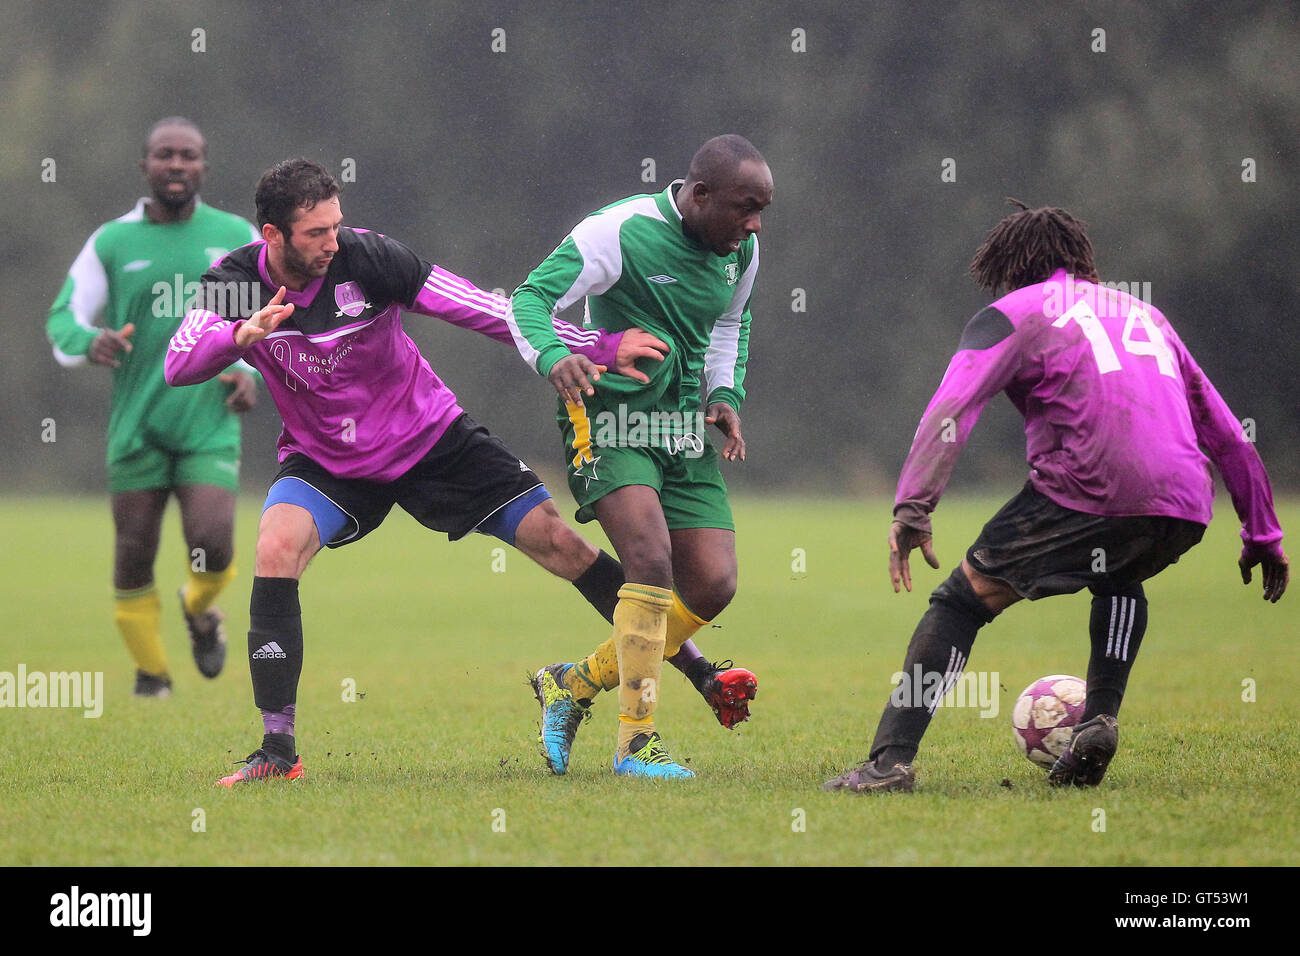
[1116, 416]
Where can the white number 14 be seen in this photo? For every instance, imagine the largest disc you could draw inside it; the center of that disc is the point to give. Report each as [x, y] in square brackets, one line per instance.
[1107, 360]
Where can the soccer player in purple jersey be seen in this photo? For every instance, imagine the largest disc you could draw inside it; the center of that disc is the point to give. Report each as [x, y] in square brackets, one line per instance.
[367, 424]
[1117, 413]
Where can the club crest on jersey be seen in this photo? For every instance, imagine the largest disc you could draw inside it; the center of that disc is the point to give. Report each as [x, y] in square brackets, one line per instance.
[732, 271]
[350, 300]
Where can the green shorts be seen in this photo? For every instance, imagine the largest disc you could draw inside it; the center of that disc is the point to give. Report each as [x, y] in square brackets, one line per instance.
[683, 469]
[151, 467]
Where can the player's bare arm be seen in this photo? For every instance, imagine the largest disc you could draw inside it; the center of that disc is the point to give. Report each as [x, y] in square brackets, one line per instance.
[264, 321]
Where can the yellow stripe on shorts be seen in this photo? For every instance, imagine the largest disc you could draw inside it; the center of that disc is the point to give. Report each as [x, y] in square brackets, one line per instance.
[581, 434]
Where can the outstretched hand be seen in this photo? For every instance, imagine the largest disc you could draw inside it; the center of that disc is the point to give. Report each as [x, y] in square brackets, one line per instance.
[1277, 571]
[264, 321]
[902, 539]
[728, 421]
[637, 344]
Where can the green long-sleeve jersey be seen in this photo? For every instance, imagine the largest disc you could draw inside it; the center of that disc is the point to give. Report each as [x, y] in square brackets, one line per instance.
[134, 270]
[636, 267]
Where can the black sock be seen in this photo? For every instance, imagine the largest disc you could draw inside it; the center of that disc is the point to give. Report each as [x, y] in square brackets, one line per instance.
[599, 584]
[280, 745]
[1115, 629]
[699, 672]
[936, 655]
[275, 642]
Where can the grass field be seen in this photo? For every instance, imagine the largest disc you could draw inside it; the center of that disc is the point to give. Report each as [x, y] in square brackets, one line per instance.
[442, 745]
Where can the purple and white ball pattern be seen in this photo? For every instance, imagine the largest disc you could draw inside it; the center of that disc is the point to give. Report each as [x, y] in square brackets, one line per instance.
[1044, 717]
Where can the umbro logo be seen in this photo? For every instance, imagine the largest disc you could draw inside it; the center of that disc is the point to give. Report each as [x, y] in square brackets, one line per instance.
[661, 279]
[269, 651]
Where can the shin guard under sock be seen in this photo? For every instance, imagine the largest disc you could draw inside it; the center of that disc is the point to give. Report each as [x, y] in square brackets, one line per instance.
[275, 642]
[640, 621]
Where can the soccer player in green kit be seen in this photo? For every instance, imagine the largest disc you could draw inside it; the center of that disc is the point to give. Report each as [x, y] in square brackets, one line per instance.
[131, 275]
[681, 265]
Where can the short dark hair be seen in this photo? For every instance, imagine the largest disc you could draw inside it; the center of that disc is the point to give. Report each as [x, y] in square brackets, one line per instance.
[719, 158]
[289, 186]
[172, 121]
[1028, 246]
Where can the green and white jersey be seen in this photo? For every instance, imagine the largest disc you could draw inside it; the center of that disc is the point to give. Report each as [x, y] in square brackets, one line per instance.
[134, 270]
[636, 267]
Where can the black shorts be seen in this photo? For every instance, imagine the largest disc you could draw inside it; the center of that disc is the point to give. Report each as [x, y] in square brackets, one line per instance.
[1041, 548]
[466, 477]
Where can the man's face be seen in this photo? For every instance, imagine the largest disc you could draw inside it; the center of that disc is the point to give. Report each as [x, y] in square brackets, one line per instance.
[174, 164]
[729, 214]
[313, 239]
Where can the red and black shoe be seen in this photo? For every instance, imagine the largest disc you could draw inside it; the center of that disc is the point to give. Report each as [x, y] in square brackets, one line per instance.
[260, 766]
[728, 690]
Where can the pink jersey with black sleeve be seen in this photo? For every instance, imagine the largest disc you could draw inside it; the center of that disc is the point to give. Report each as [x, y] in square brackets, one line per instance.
[354, 392]
[1116, 410]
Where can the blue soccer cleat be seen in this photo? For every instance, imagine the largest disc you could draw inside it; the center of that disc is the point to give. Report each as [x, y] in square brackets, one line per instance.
[561, 715]
[647, 758]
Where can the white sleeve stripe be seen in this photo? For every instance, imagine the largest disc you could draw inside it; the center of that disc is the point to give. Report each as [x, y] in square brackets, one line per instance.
[68, 361]
[572, 335]
[469, 303]
[466, 294]
[197, 322]
[89, 285]
[724, 341]
[526, 350]
[599, 241]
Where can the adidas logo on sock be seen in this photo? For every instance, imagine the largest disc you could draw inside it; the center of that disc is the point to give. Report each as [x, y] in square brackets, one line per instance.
[269, 651]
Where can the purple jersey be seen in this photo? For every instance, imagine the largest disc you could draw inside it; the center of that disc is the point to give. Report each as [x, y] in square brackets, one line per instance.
[1116, 412]
[355, 394]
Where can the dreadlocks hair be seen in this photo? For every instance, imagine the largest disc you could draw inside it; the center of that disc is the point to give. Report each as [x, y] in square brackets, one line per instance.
[1028, 246]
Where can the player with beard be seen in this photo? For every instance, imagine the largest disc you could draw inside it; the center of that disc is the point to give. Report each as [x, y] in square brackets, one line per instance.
[367, 423]
[161, 441]
[1117, 413]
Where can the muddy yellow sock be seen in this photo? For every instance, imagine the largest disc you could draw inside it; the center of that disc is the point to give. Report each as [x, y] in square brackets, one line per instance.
[597, 672]
[137, 614]
[203, 587]
[682, 624]
[640, 623]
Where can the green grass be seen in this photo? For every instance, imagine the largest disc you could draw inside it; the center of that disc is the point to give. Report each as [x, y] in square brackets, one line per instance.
[440, 645]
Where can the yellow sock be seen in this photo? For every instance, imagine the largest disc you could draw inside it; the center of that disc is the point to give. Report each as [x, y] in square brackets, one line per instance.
[203, 587]
[640, 623]
[599, 670]
[137, 614]
[682, 624]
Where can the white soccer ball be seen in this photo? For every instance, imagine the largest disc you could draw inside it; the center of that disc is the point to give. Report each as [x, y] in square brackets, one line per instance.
[1044, 717]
